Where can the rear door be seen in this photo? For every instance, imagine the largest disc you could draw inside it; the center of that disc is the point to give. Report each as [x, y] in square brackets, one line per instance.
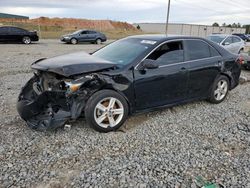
[204, 63]
[16, 34]
[166, 84]
[92, 35]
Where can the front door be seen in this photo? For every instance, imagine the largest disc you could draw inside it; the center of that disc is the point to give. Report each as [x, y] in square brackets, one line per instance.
[83, 36]
[166, 84]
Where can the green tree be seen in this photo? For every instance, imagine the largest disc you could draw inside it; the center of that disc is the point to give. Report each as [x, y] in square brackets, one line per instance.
[215, 24]
[234, 25]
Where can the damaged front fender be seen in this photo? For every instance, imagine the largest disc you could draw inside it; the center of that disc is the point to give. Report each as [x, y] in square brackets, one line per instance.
[46, 106]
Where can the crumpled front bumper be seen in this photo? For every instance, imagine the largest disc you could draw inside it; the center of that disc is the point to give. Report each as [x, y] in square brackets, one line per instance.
[50, 109]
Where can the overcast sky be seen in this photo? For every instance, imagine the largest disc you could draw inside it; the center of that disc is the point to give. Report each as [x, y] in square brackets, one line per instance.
[182, 11]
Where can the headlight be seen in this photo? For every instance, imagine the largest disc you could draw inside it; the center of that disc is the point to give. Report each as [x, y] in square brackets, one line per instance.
[66, 37]
[73, 87]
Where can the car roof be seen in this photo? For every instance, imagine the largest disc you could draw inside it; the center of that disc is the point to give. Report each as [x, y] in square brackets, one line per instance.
[161, 37]
[222, 35]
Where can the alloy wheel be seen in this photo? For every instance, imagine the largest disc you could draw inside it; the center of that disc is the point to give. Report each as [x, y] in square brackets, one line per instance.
[221, 90]
[26, 40]
[98, 41]
[73, 41]
[108, 112]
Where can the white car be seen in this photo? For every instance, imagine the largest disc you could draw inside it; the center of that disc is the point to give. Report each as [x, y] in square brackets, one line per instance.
[232, 43]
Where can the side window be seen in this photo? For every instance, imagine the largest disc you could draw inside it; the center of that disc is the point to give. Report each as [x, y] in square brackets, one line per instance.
[168, 53]
[84, 32]
[91, 32]
[236, 39]
[214, 52]
[196, 49]
[229, 40]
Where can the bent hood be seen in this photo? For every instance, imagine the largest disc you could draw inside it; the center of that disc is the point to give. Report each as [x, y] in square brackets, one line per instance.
[72, 64]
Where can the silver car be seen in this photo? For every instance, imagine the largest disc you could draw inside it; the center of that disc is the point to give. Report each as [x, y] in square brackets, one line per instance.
[232, 43]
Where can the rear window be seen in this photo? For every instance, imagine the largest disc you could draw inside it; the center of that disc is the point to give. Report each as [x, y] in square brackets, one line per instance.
[196, 49]
[16, 30]
[216, 38]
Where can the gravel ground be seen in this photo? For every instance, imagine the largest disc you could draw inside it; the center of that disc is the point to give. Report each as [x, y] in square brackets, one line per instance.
[167, 148]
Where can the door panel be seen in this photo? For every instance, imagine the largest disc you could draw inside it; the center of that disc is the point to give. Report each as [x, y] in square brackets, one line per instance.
[161, 86]
[166, 84]
[202, 75]
[83, 36]
[204, 62]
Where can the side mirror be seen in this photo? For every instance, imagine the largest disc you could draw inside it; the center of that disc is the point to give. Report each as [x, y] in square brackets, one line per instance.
[226, 43]
[148, 64]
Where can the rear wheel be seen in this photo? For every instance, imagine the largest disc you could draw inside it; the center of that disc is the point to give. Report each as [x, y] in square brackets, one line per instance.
[26, 40]
[247, 67]
[73, 41]
[219, 90]
[98, 41]
[106, 111]
[241, 51]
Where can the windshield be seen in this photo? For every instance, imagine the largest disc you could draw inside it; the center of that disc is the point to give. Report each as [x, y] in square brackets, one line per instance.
[123, 52]
[217, 39]
[76, 32]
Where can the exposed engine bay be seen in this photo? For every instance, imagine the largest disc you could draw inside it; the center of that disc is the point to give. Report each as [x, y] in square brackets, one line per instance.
[49, 100]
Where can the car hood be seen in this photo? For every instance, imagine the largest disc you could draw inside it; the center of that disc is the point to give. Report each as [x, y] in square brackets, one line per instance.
[72, 64]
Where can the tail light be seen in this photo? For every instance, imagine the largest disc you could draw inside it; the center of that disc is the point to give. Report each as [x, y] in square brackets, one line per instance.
[240, 60]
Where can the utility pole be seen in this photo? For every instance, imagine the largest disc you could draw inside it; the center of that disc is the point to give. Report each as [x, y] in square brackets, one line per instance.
[167, 21]
[39, 28]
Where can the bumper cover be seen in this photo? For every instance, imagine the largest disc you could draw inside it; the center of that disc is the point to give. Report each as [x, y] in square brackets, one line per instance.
[50, 109]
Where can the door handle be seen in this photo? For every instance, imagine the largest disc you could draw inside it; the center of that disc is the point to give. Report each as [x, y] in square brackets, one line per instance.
[183, 69]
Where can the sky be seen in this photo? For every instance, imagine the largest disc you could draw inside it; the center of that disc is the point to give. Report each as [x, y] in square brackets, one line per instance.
[135, 11]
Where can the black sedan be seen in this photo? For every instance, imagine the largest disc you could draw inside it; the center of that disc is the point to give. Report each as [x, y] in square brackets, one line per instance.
[84, 36]
[15, 34]
[135, 74]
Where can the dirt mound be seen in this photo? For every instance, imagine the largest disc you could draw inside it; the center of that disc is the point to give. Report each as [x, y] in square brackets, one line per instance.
[71, 23]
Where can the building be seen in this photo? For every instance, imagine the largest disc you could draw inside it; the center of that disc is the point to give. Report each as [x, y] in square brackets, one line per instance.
[12, 16]
[187, 29]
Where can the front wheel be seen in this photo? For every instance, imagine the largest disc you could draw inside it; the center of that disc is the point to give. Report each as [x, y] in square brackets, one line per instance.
[106, 110]
[219, 90]
[73, 41]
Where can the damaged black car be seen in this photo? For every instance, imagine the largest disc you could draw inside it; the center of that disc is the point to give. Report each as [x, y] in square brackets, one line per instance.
[135, 74]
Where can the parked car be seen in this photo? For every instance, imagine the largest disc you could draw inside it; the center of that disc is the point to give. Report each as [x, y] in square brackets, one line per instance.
[84, 36]
[248, 35]
[135, 74]
[15, 34]
[246, 60]
[234, 44]
[242, 36]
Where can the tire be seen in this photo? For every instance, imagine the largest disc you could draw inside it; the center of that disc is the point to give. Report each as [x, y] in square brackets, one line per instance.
[101, 109]
[26, 40]
[247, 67]
[98, 41]
[219, 89]
[73, 41]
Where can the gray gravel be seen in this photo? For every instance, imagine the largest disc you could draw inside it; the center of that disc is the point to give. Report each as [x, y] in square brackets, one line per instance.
[166, 148]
